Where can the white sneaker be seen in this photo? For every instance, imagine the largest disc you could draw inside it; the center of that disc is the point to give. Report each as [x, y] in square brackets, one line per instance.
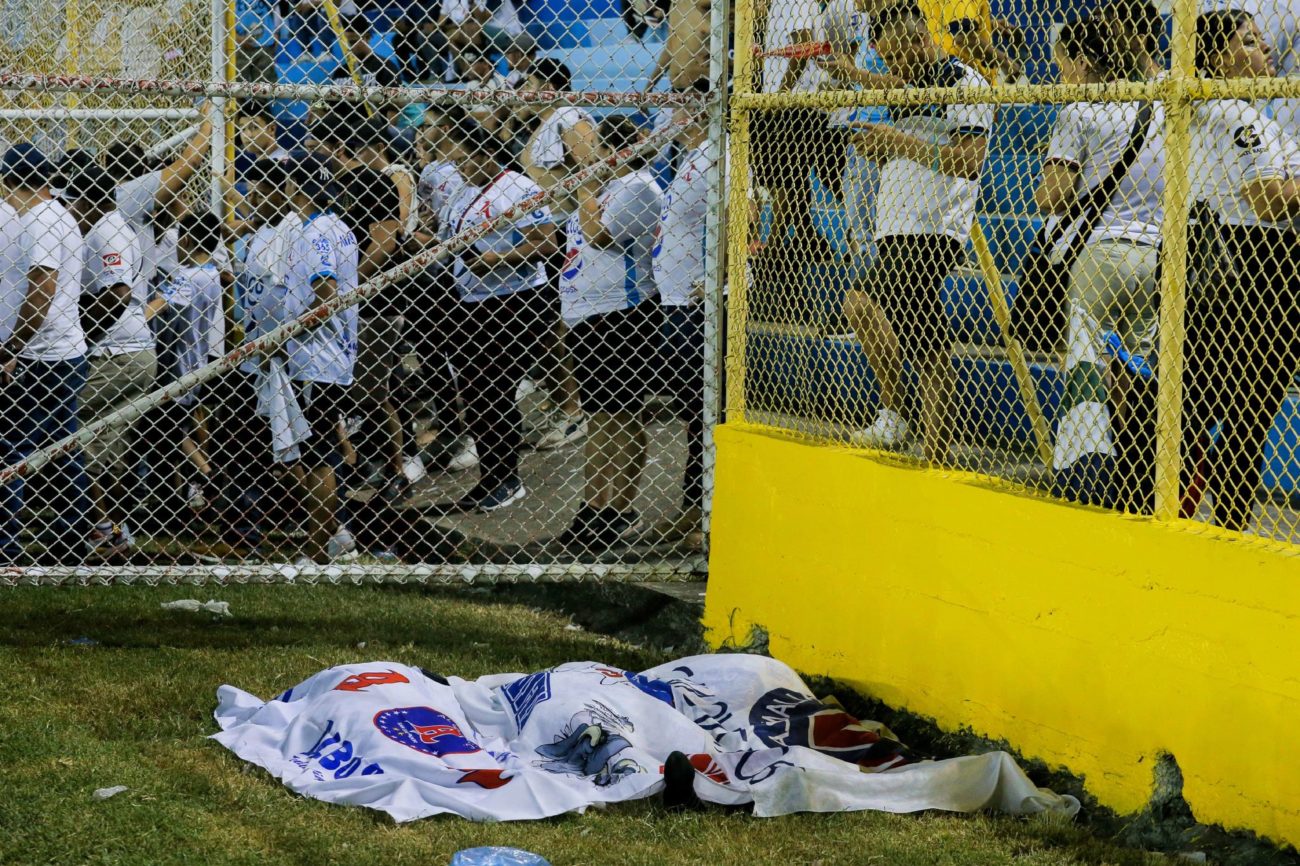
[195, 498]
[465, 458]
[889, 430]
[342, 547]
[524, 388]
[564, 429]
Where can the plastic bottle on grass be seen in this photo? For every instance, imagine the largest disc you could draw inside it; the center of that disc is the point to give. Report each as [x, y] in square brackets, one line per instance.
[496, 856]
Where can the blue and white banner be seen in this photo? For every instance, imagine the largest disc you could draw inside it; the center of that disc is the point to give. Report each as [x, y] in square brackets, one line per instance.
[522, 746]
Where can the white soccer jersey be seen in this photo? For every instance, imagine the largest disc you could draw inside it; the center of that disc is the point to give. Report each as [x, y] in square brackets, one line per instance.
[1233, 144]
[194, 293]
[440, 184]
[324, 248]
[13, 278]
[547, 149]
[1091, 137]
[786, 17]
[475, 207]
[598, 280]
[112, 256]
[263, 281]
[913, 198]
[679, 246]
[136, 200]
[51, 239]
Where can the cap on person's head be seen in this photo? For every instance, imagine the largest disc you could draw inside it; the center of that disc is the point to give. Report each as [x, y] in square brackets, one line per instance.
[89, 181]
[314, 177]
[370, 132]
[25, 166]
[270, 172]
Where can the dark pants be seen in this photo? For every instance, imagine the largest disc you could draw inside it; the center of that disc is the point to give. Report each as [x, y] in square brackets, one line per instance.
[497, 343]
[1243, 349]
[683, 357]
[38, 408]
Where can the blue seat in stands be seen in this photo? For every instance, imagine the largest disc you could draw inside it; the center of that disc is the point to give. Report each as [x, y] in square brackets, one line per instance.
[1007, 183]
[1009, 237]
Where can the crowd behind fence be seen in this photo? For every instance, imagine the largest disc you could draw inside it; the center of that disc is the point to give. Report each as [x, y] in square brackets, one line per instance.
[387, 327]
[1057, 249]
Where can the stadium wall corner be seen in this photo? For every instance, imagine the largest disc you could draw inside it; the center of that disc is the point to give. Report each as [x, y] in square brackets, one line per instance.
[1088, 640]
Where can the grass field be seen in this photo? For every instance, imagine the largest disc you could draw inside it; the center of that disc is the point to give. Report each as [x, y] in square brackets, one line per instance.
[101, 687]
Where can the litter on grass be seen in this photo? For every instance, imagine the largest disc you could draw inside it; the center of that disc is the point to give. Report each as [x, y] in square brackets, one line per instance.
[193, 605]
[105, 793]
[722, 729]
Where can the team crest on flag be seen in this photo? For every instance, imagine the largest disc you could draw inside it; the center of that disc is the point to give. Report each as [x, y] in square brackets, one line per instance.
[425, 730]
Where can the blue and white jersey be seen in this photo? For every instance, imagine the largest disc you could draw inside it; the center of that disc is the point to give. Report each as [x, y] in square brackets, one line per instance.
[599, 280]
[324, 248]
[679, 241]
[193, 294]
[476, 206]
[261, 284]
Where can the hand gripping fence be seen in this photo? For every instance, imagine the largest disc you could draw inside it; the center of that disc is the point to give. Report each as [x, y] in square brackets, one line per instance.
[279, 573]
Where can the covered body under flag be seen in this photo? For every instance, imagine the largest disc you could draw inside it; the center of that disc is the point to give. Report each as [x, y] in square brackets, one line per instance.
[525, 746]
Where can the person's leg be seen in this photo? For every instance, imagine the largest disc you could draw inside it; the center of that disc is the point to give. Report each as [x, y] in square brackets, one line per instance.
[14, 427]
[377, 352]
[1133, 399]
[105, 387]
[630, 446]
[58, 386]
[879, 343]
[599, 461]
[929, 345]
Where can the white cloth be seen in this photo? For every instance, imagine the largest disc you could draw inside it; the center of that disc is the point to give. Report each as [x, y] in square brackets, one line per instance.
[598, 280]
[52, 240]
[263, 280]
[136, 200]
[111, 257]
[679, 246]
[13, 280]
[1234, 144]
[474, 207]
[440, 184]
[1091, 137]
[516, 747]
[194, 293]
[324, 248]
[915, 199]
[277, 402]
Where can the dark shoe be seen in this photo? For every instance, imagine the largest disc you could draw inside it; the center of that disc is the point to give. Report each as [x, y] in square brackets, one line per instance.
[582, 531]
[506, 493]
[396, 490]
[465, 504]
[679, 785]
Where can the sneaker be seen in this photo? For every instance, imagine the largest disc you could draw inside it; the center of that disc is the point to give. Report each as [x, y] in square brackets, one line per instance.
[583, 531]
[195, 497]
[396, 490]
[506, 493]
[465, 504]
[563, 430]
[342, 547]
[464, 457]
[889, 430]
[106, 541]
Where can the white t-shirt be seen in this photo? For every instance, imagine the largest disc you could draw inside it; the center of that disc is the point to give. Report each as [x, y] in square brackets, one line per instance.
[325, 248]
[475, 207]
[913, 198]
[1279, 21]
[136, 202]
[598, 280]
[13, 279]
[679, 245]
[194, 293]
[1233, 144]
[263, 279]
[547, 149]
[112, 256]
[505, 17]
[51, 239]
[785, 17]
[440, 184]
[1091, 137]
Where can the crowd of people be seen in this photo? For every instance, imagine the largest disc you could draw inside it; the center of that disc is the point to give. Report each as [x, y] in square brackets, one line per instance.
[118, 280]
[1101, 192]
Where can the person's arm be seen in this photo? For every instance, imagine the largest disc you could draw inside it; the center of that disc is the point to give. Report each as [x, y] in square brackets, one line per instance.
[103, 309]
[794, 69]
[962, 159]
[976, 46]
[842, 67]
[580, 142]
[536, 242]
[1273, 199]
[661, 65]
[1058, 188]
[384, 241]
[178, 173]
[41, 285]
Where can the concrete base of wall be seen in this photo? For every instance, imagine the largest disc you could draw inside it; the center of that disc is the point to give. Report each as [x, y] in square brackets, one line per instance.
[1089, 640]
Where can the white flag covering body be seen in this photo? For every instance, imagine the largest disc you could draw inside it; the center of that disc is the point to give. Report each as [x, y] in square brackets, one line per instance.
[515, 747]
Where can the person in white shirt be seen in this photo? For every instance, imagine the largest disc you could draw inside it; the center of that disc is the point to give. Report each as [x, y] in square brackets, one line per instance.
[122, 363]
[42, 352]
[608, 300]
[1112, 283]
[930, 157]
[679, 276]
[1242, 329]
[1279, 25]
[505, 312]
[322, 264]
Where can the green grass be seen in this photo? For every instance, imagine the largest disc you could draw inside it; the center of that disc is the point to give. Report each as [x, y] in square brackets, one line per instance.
[134, 709]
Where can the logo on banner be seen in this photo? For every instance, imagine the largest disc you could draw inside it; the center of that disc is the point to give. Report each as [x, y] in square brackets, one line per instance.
[112, 260]
[425, 730]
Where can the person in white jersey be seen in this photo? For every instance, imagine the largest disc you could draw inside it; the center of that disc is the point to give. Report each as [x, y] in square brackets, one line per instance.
[42, 352]
[504, 314]
[562, 140]
[930, 158]
[1242, 333]
[679, 276]
[1112, 284]
[122, 360]
[608, 300]
[322, 264]
[1279, 25]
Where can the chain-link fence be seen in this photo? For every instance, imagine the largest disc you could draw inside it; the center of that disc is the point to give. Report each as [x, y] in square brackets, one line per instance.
[327, 292]
[1052, 245]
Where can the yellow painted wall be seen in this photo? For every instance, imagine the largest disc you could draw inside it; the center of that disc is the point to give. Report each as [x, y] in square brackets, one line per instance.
[1086, 639]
